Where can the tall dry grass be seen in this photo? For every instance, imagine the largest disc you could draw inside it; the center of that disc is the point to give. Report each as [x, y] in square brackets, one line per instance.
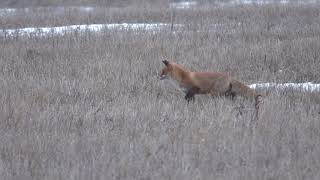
[90, 106]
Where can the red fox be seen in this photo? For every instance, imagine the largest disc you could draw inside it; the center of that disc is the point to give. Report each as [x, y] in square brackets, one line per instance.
[213, 83]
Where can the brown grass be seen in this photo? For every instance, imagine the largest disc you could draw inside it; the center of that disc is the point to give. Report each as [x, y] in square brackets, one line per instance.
[90, 106]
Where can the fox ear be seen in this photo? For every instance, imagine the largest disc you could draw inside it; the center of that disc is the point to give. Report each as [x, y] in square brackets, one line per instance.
[165, 62]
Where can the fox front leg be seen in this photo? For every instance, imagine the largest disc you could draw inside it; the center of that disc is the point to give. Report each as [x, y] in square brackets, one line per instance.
[190, 94]
[189, 97]
[230, 93]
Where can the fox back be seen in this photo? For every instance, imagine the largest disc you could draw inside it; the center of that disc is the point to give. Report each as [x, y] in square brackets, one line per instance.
[213, 83]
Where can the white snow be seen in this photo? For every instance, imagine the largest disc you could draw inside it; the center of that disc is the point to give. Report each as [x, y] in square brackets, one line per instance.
[190, 4]
[7, 11]
[57, 10]
[176, 5]
[43, 31]
[258, 2]
[263, 2]
[86, 8]
[183, 4]
[306, 87]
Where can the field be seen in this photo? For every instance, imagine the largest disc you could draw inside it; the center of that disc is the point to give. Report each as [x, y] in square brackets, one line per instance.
[91, 106]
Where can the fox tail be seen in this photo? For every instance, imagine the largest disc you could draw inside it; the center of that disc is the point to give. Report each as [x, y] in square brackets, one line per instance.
[239, 88]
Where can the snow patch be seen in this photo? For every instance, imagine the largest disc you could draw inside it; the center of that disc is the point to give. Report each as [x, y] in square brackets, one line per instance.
[258, 2]
[306, 87]
[56, 10]
[183, 4]
[264, 2]
[7, 11]
[44, 31]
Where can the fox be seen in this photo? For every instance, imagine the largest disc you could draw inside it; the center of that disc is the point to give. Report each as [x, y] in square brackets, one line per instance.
[214, 83]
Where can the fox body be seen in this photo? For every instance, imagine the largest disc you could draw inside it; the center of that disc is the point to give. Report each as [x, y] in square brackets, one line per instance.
[213, 83]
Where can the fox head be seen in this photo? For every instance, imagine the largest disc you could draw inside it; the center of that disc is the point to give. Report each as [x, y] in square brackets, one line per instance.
[165, 72]
[173, 71]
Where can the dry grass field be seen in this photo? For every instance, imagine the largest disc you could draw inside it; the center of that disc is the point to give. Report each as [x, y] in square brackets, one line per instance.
[91, 106]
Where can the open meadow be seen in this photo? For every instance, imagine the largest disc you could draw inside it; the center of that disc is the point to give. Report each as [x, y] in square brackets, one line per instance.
[90, 105]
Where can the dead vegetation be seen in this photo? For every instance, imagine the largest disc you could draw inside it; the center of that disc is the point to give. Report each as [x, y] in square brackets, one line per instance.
[90, 106]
